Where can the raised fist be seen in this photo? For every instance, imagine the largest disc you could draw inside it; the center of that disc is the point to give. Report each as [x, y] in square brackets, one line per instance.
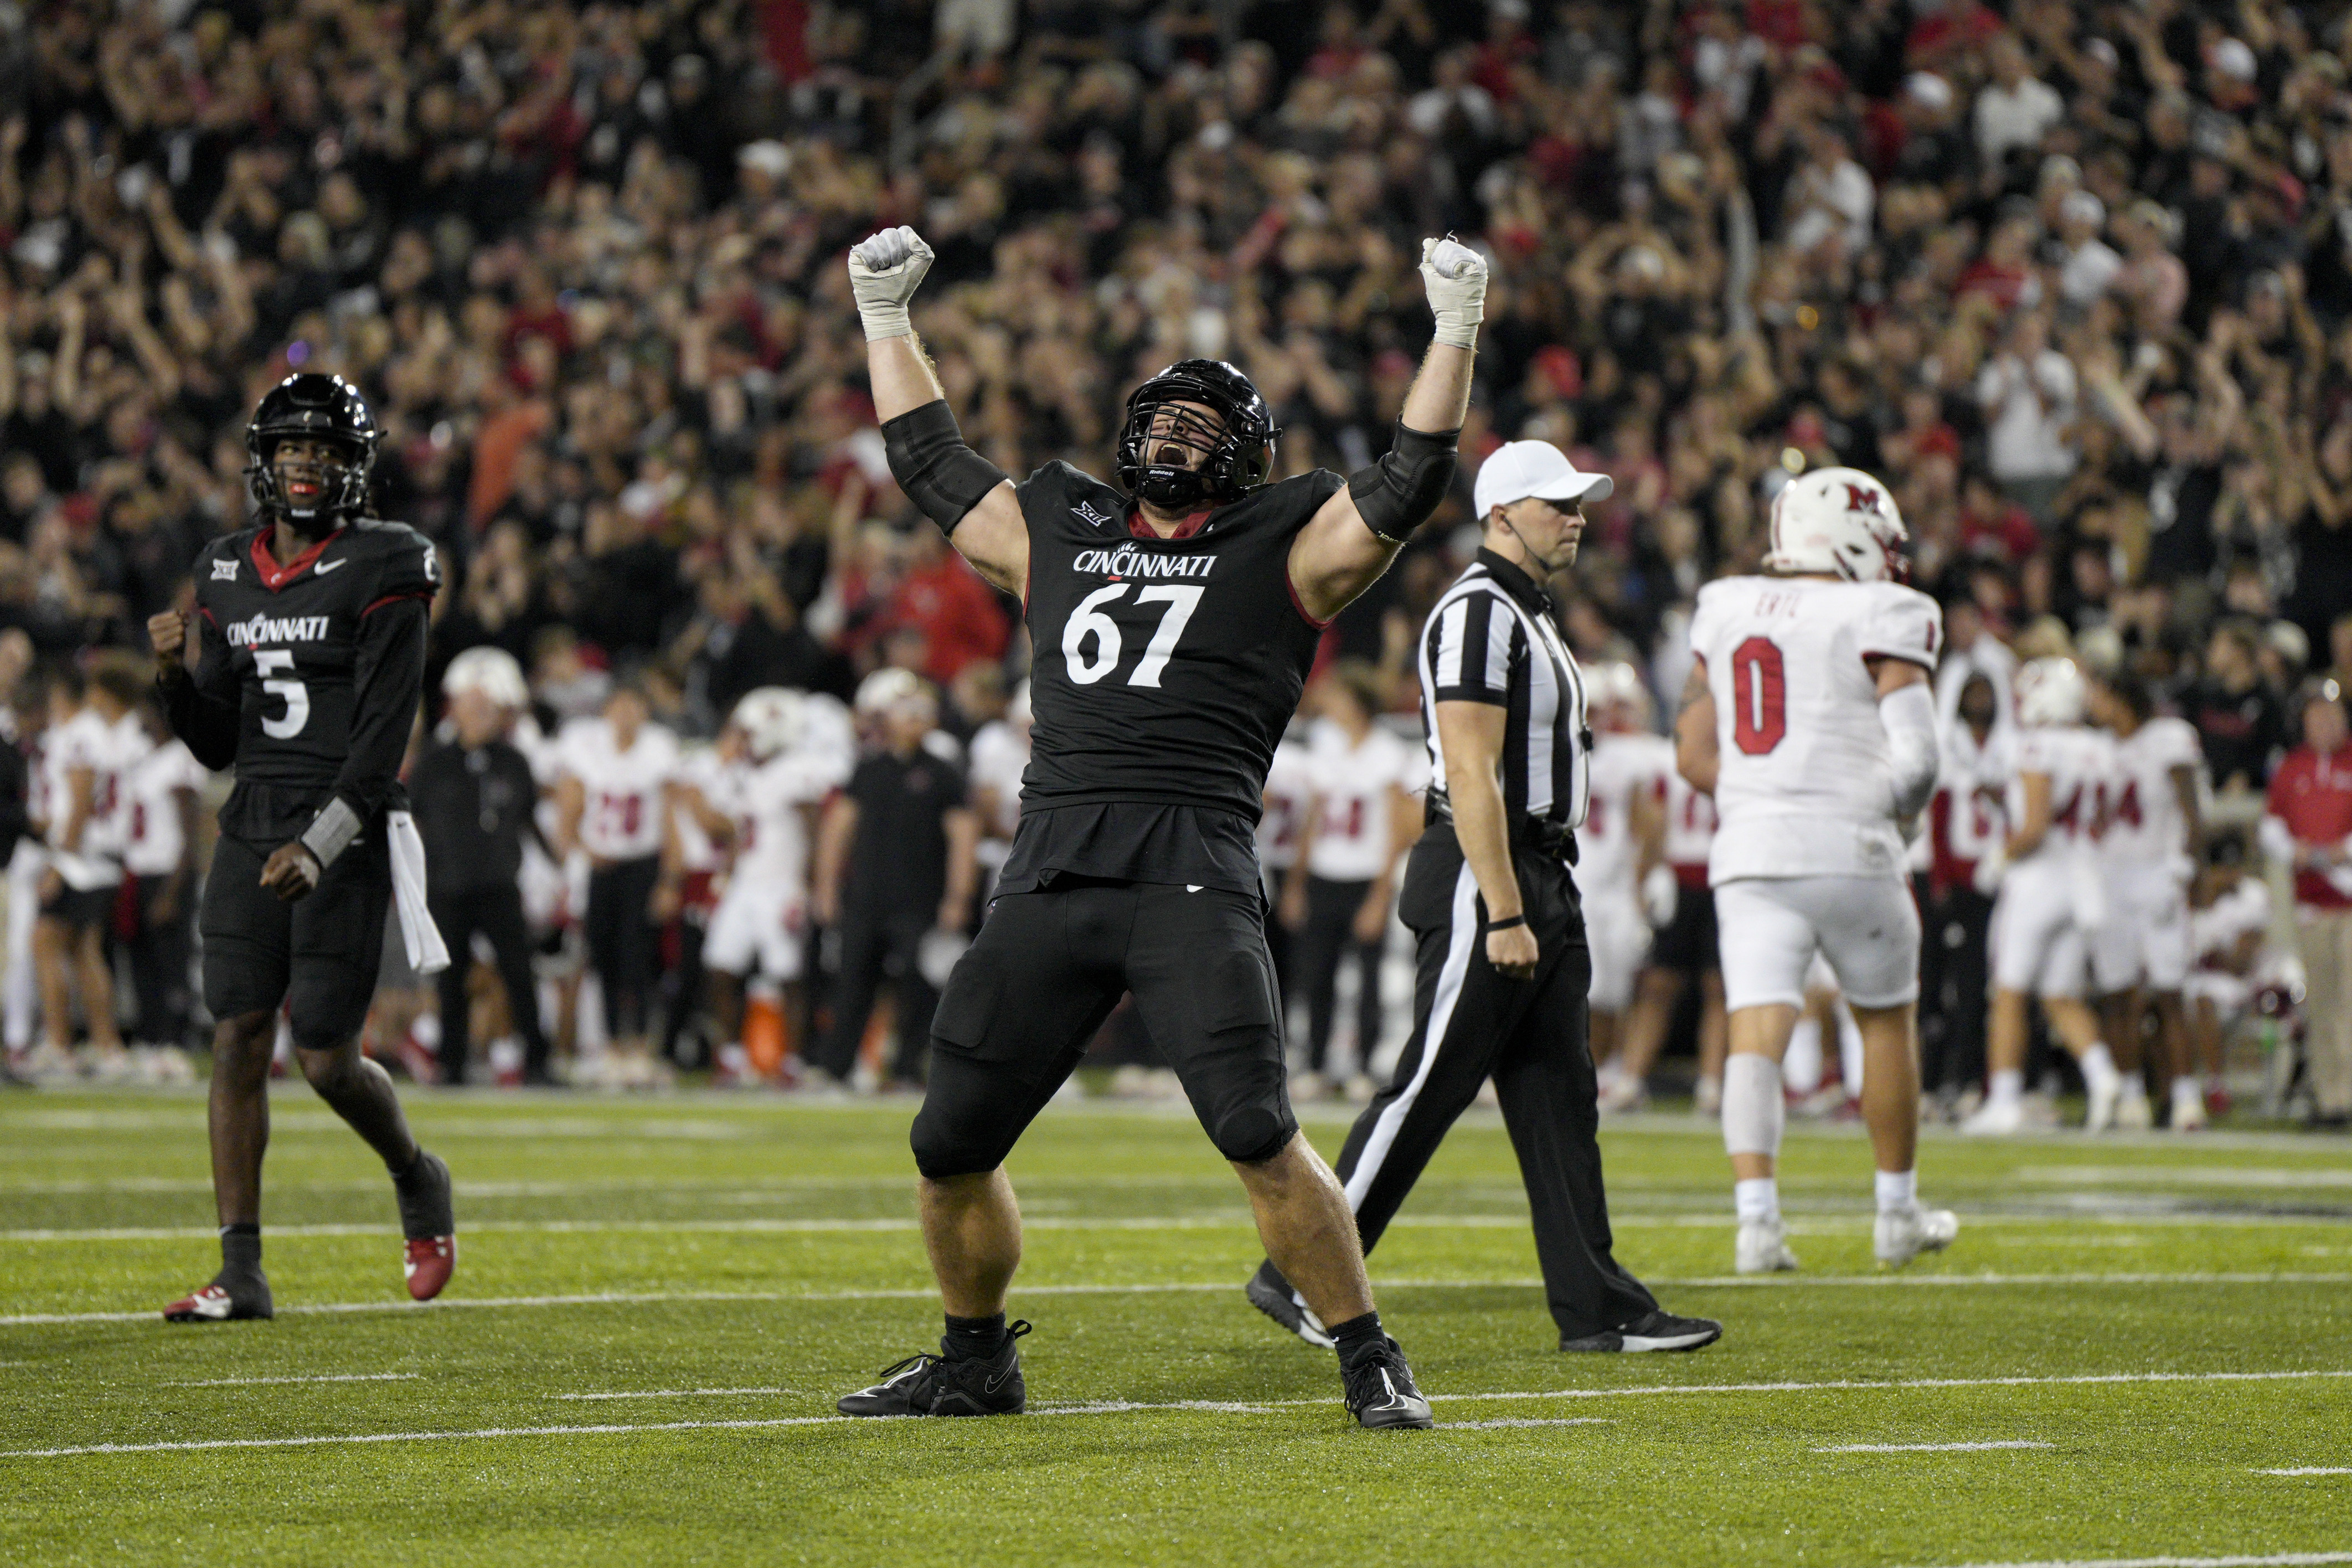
[169, 632]
[884, 273]
[1455, 278]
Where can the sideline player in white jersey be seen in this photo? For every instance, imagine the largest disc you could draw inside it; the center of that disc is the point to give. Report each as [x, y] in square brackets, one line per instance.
[2051, 897]
[1809, 718]
[762, 918]
[613, 800]
[1620, 847]
[1000, 755]
[1682, 949]
[2154, 835]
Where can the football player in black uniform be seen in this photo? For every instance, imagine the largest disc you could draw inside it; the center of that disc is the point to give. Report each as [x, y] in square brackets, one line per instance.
[305, 674]
[1174, 620]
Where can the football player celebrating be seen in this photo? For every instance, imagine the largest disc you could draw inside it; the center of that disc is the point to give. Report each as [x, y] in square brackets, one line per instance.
[2051, 900]
[1175, 619]
[304, 675]
[1809, 718]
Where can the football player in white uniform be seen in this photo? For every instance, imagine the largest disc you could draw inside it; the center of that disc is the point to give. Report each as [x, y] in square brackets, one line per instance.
[763, 917]
[1811, 718]
[2153, 837]
[1621, 860]
[2229, 931]
[1684, 948]
[1000, 755]
[2051, 897]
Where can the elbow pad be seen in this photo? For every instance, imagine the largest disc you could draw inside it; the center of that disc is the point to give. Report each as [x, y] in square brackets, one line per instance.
[1397, 494]
[944, 478]
[1909, 715]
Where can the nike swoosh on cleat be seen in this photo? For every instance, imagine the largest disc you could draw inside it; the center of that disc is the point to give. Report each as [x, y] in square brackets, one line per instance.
[323, 567]
[1194, 886]
[993, 1384]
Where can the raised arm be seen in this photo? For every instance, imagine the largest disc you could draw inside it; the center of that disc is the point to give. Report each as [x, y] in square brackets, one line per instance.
[968, 496]
[1350, 541]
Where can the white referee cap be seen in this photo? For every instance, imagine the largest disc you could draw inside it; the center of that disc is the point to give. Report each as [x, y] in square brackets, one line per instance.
[1519, 470]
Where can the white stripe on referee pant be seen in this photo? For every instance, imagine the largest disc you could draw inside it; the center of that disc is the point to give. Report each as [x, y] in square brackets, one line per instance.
[1450, 976]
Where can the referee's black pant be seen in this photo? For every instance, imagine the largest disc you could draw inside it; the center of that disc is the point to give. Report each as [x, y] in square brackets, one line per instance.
[1469, 1023]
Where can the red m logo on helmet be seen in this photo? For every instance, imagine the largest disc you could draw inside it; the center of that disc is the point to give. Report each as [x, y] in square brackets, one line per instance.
[1860, 498]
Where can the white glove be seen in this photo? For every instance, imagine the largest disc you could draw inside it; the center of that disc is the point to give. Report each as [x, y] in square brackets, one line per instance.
[1660, 893]
[1991, 866]
[884, 272]
[1455, 275]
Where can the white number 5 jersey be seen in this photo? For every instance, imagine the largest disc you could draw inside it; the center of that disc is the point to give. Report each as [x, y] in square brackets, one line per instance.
[1805, 786]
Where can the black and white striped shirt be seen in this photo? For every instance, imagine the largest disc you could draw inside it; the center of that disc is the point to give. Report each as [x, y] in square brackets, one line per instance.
[1491, 639]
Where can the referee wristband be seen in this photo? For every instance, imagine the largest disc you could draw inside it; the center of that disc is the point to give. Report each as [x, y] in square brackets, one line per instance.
[1506, 925]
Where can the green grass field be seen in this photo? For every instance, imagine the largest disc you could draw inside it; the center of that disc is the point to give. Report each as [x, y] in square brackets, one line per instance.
[658, 1301]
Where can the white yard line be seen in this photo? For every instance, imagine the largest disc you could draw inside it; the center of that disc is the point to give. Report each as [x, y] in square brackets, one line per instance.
[1927, 1447]
[331, 1377]
[1112, 1407]
[640, 1297]
[2310, 1470]
[680, 1394]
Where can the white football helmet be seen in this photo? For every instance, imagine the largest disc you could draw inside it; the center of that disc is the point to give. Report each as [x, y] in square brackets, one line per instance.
[492, 671]
[770, 719]
[1617, 686]
[1841, 522]
[2049, 691]
[889, 688]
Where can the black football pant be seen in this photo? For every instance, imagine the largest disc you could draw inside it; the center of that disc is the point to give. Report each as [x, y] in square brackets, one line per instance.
[1326, 942]
[1953, 972]
[877, 946]
[497, 914]
[621, 940]
[1469, 1023]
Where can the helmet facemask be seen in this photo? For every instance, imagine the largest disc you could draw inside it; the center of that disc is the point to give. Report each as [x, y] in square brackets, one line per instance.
[340, 482]
[1209, 413]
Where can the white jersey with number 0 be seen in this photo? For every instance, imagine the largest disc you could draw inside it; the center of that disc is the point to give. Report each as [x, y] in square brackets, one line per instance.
[1804, 786]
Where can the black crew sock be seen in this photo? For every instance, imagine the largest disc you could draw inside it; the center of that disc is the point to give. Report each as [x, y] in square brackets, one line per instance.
[240, 1249]
[1358, 1338]
[974, 1339]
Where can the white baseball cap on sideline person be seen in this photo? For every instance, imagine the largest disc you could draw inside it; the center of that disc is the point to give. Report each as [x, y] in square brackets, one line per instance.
[1519, 470]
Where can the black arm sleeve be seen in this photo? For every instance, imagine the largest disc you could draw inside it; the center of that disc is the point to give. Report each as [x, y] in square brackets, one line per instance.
[203, 708]
[1397, 494]
[387, 682]
[944, 478]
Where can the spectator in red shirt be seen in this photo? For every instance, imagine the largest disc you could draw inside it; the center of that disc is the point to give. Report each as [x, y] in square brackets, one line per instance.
[2309, 827]
[955, 611]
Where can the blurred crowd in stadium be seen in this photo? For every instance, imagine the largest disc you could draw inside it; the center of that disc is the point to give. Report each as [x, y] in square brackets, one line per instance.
[2075, 278]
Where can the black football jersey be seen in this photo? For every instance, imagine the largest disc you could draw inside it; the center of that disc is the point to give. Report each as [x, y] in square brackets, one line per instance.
[1165, 671]
[321, 657]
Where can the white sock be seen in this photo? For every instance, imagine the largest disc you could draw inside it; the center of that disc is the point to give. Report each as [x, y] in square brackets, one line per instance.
[2008, 1086]
[2099, 1066]
[1753, 1111]
[1898, 1190]
[2185, 1092]
[1757, 1200]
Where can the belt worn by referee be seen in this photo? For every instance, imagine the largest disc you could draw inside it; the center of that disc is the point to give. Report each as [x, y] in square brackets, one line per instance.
[1541, 833]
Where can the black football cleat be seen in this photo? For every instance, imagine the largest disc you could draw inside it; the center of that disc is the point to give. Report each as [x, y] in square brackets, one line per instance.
[1381, 1392]
[429, 1223]
[1270, 1293]
[227, 1299]
[1657, 1330]
[928, 1384]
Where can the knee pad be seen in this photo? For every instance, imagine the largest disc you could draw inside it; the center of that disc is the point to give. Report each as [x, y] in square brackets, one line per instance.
[1753, 1114]
[1252, 1133]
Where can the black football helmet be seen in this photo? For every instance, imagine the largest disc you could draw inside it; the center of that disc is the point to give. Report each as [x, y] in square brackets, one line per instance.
[1236, 445]
[319, 407]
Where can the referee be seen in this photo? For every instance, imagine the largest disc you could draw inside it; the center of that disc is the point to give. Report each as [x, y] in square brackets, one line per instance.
[1504, 969]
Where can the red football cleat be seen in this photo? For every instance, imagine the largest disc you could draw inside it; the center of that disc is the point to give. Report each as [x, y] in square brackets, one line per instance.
[215, 1304]
[431, 1260]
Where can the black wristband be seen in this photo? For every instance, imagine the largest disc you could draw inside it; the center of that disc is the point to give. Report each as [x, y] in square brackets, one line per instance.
[1506, 925]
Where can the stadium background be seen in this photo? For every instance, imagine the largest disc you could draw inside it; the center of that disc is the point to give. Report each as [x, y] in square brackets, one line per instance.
[2074, 279]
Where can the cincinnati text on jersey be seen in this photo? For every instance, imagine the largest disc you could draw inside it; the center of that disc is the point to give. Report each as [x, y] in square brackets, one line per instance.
[1140, 563]
[261, 630]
